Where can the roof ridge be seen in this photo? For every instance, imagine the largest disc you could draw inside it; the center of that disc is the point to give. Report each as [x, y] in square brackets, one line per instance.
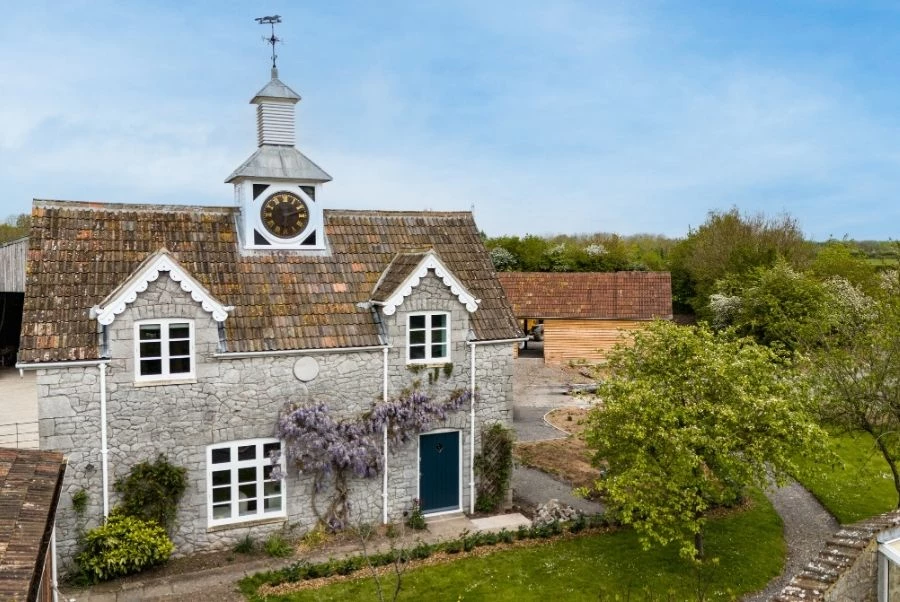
[116, 206]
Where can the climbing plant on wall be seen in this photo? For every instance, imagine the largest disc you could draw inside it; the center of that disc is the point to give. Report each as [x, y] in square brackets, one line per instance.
[332, 450]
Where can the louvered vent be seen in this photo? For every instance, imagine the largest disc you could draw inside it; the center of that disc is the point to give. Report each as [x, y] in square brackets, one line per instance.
[275, 123]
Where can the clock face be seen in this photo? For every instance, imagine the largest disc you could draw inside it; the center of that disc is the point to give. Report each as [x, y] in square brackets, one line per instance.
[284, 214]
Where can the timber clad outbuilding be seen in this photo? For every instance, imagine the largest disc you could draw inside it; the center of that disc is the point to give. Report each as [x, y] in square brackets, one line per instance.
[585, 314]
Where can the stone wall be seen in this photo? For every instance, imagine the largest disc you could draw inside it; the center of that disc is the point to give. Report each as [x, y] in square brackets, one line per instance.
[233, 399]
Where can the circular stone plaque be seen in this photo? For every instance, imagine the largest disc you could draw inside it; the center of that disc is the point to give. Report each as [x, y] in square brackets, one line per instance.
[306, 369]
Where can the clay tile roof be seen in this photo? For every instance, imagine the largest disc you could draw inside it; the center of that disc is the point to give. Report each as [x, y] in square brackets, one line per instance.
[589, 295]
[80, 252]
[30, 482]
[396, 273]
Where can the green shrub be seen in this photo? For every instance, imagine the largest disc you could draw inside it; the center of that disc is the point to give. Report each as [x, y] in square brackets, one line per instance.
[416, 519]
[151, 490]
[245, 545]
[454, 546]
[277, 546]
[122, 546]
[79, 501]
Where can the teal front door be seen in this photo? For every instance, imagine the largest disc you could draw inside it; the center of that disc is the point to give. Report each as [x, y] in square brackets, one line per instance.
[439, 472]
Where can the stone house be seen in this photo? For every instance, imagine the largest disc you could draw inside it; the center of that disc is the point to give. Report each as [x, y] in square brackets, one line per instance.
[185, 330]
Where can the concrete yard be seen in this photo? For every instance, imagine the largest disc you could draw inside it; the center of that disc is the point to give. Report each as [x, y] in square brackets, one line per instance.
[18, 409]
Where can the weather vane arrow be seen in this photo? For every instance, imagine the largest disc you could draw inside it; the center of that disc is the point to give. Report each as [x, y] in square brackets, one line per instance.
[272, 39]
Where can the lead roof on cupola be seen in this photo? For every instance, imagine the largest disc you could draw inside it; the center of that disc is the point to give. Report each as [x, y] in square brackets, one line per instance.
[275, 89]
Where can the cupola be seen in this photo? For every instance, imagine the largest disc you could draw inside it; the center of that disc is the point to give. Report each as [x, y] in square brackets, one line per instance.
[276, 188]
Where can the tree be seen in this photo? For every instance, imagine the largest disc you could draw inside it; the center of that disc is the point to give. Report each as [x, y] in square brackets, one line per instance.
[732, 243]
[15, 227]
[841, 258]
[775, 305]
[690, 418]
[856, 370]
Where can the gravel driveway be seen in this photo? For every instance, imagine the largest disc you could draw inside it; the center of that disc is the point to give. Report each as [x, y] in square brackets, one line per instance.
[807, 526]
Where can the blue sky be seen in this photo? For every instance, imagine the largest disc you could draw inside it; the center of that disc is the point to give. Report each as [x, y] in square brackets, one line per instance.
[547, 117]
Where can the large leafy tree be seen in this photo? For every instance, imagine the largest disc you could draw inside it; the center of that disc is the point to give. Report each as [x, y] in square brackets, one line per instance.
[690, 418]
[856, 368]
[730, 242]
[775, 305]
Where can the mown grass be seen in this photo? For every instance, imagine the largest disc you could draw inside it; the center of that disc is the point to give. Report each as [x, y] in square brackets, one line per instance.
[858, 486]
[748, 544]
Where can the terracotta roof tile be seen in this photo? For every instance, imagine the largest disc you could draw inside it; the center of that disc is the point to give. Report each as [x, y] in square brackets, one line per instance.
[589, 295]
[29, 492]
[80, 252]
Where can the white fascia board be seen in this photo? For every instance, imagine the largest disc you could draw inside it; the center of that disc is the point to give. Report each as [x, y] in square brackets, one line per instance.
[149, 273]
[430, 262]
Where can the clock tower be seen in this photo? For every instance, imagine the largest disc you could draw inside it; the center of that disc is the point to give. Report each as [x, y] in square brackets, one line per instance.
[277, 187]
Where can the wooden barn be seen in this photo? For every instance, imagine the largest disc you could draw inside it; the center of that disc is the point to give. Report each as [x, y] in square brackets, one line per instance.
[584, 314]
[12, 295]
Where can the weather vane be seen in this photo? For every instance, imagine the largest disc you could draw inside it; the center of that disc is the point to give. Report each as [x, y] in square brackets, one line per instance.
[272, 39]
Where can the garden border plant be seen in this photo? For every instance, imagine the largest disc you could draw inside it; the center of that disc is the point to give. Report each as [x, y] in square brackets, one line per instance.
[152, 490]
[305, 571]
[134, 536]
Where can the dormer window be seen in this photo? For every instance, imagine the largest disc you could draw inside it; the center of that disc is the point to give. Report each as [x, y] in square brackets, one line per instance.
[428, 338]
[164, 350]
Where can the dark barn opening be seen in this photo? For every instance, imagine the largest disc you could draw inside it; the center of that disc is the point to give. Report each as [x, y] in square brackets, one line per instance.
[10, 326]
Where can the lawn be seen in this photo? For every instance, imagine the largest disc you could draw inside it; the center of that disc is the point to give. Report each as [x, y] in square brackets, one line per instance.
[748, 543]
[859, 487]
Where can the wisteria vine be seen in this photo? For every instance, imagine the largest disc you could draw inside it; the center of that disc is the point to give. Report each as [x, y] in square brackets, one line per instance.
[332, 450]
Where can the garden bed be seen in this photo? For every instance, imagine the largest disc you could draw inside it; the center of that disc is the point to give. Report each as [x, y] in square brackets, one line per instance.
[600, 563]
[568, 458]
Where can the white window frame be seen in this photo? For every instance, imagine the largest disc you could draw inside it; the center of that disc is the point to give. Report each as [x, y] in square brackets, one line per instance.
[428, 359]
[233, 466]
[164, 324]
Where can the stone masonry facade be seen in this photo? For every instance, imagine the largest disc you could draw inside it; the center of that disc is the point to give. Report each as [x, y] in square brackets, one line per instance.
[241, 398]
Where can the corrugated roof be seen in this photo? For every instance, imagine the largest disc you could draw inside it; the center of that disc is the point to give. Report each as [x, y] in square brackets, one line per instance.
[29, 493]
[589, 295]
[80, 252]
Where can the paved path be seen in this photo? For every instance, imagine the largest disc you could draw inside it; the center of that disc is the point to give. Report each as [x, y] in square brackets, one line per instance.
[529, 424]
[532, 487]
[807, 526]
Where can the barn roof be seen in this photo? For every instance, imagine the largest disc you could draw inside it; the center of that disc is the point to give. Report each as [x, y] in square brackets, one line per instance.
[30, 482]
[282, 300]
[589, 295]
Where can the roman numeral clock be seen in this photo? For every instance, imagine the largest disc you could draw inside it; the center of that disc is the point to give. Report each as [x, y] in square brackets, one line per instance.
[284, 215]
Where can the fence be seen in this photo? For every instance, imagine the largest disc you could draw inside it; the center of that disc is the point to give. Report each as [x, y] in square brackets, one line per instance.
[20, 435]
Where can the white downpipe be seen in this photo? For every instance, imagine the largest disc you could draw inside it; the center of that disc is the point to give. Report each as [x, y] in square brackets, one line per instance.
[104, 450]
[384, 485]
[472, 432]
[54, 580]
